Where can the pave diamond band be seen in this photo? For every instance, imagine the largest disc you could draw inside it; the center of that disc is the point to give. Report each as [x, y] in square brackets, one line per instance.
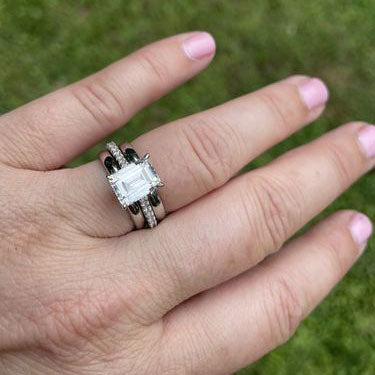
[134, 182]
[148, 212]
[117, 154]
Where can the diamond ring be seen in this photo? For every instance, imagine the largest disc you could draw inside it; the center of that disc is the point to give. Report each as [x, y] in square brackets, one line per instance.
[134, 182]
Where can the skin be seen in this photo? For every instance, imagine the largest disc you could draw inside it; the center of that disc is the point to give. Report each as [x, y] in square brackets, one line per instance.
[82, 293]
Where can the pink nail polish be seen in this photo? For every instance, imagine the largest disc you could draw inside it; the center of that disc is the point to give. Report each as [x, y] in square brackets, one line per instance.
[314, 93]
[361, 229]
[366, 137]
[199, 46]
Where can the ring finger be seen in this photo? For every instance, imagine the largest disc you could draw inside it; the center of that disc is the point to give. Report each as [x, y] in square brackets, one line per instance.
[198, 154]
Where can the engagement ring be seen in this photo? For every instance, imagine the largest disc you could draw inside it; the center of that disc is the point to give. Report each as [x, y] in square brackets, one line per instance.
[134, 182]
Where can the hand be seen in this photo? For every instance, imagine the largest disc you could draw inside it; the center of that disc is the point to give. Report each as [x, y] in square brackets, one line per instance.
[82, 293]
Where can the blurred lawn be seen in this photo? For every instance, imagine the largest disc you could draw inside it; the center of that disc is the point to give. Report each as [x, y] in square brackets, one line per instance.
[45, 44]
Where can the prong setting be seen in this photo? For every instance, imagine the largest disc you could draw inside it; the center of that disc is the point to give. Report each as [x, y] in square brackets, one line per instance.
[133, 182]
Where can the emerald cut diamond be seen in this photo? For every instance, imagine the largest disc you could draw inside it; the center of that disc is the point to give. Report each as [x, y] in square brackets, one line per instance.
[133, 182]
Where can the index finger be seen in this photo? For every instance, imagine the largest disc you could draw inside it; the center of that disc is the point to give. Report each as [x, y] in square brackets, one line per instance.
[52, 130]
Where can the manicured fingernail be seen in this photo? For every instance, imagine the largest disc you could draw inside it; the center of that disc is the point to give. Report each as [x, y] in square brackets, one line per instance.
[361, 229]
[314, 93]
[199, 46]
[366, 137]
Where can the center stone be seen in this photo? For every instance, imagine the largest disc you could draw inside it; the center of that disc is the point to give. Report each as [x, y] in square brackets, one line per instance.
[134, 182]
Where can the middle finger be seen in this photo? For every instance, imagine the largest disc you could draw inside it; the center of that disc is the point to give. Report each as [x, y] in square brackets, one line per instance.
[198, 154]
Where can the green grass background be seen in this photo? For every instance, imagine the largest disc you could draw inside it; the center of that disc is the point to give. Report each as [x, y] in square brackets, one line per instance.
[45, 44]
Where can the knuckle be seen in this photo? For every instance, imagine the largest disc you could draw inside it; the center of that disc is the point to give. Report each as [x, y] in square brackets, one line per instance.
[213, 143]
[279, 109]
[276, 206]
[34, 136]
[154, 67]
[343, 165]
[339, 252]
[168, 256]
[100, 101]
[284, 308]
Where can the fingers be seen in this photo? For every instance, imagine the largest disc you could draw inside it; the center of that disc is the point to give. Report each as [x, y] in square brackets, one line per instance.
[240, 321]
[52, 130]
[214, 145]
[199, 153]
[234, 228]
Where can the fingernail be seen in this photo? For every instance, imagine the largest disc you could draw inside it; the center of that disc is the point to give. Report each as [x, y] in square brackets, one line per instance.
[199, 46]
[314, 93]
[361, 229]
[366, 137]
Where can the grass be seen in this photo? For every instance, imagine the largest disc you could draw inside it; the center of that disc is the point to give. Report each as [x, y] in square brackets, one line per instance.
[45, 44]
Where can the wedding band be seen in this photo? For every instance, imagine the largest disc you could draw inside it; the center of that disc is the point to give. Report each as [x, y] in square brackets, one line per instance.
[134, 182]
